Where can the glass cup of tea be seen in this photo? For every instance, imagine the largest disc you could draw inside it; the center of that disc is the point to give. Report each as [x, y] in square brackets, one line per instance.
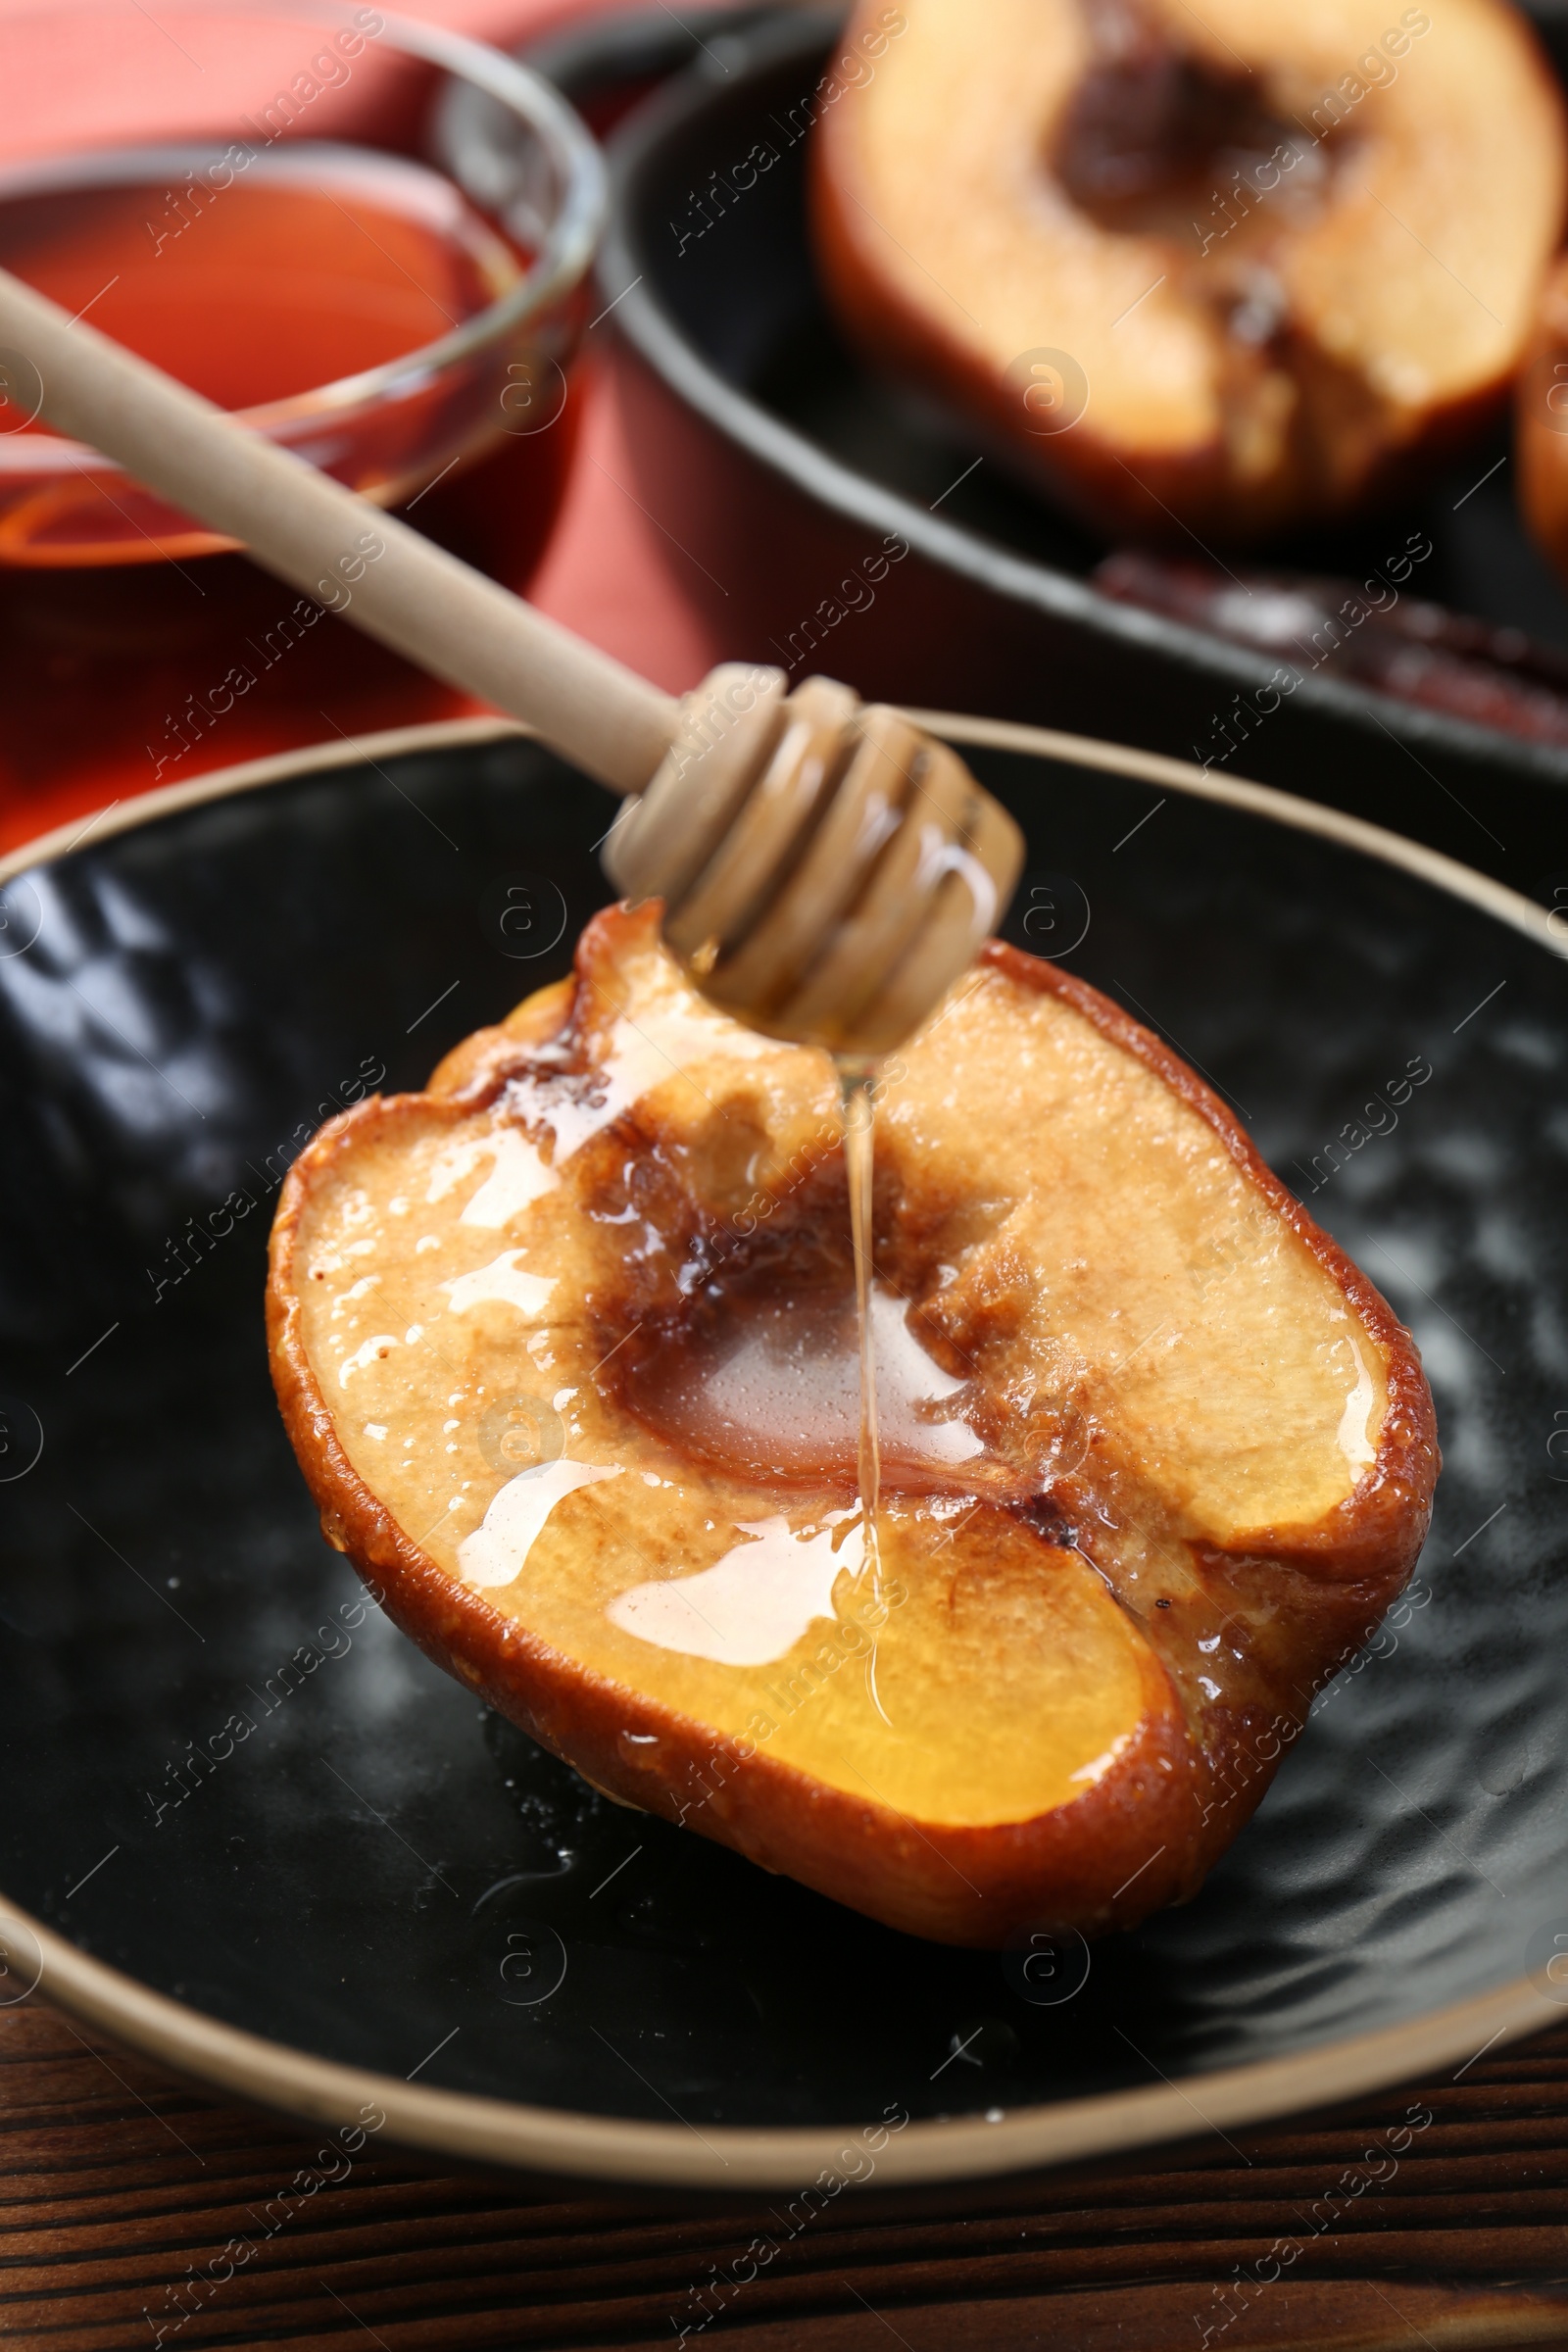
[242, 194]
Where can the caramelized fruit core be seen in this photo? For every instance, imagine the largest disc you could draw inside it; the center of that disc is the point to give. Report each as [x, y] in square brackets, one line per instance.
[1154, 143]
[1151, 137]
[760, 1377]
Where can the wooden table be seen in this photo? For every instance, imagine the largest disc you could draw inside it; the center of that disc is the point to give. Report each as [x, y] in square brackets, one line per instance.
[118, 2191]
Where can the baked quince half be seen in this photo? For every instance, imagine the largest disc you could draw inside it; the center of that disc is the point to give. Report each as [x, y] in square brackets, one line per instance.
[566, 1347]
[1221, 270]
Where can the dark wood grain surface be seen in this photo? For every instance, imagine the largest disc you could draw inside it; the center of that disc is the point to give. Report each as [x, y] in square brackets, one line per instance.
[133, 2211]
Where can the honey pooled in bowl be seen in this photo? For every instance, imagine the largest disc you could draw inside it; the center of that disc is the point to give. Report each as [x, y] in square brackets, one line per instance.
[566, 1348]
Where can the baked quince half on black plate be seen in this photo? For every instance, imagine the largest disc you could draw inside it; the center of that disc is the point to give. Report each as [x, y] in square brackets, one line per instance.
[566, 1347]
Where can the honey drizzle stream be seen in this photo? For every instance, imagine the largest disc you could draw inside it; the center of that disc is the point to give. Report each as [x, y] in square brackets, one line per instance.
[856, 1090]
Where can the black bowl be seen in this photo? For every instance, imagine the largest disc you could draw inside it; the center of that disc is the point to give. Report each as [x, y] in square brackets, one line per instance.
[782, 471]
[250, 1829]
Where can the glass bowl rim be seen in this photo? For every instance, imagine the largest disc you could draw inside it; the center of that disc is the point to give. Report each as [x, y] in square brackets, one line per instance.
[563, 260]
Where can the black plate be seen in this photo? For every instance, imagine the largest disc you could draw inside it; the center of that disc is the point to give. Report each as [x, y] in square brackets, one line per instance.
[383, 1874]
[779, 468]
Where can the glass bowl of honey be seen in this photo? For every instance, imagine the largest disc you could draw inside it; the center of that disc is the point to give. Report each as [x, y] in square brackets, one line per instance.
[242, 194]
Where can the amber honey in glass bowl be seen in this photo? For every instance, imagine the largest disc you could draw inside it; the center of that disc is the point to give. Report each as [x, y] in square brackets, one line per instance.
[352, 303]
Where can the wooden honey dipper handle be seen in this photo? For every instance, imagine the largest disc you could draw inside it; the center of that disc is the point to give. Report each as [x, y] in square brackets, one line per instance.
[827, 871]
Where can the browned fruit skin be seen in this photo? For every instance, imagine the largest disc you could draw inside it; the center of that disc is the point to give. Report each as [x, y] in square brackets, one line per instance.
[1541, 423]
[1280, 1610]
[1402, 305]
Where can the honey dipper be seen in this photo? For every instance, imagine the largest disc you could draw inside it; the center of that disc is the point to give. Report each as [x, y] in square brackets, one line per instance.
[827, 869]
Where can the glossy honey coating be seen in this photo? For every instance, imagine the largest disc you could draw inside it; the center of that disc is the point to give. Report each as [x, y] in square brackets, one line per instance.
[566, 1347]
